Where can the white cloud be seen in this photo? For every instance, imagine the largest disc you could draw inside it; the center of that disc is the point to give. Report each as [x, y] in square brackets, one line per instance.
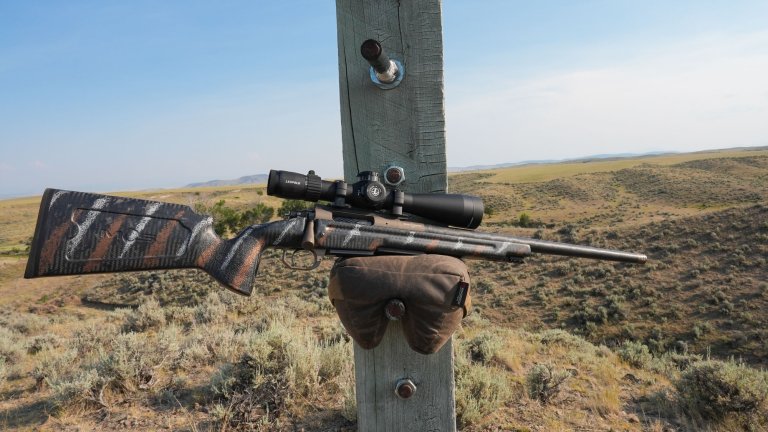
[706, 93]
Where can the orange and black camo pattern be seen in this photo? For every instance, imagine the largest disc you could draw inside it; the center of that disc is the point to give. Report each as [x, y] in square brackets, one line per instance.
[357, 233]
[79, 233]
[360, 237]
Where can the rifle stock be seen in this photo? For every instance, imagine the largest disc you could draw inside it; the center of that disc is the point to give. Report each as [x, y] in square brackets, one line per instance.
[79, 233]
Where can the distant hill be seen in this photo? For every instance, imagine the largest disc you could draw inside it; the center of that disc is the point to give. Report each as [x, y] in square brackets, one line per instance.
[251, 179]
[262, 178]
[551, 161]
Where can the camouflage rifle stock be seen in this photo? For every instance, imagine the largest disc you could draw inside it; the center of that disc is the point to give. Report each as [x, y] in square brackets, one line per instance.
[79, 233]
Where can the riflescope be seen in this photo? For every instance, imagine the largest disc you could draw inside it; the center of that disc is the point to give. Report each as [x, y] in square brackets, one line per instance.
[368, 192]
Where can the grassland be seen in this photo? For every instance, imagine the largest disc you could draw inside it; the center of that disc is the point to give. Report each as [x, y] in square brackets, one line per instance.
[545, 172]
[553, 344]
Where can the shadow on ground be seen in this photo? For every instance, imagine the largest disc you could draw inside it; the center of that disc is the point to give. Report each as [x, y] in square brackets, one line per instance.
[25, 415]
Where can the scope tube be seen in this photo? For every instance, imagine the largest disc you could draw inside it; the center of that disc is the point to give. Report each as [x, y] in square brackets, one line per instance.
[291, 185]
[463, 211]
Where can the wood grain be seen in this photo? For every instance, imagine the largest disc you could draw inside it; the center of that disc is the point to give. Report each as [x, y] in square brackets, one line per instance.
[404, 126]
[377, 371]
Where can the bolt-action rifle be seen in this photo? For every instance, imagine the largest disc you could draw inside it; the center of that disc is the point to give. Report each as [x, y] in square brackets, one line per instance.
[80, 233]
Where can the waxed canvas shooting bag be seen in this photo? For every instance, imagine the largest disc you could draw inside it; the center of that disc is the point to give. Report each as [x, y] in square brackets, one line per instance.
[434, 289]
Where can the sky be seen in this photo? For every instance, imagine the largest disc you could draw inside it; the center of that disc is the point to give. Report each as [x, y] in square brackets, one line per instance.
[127, 95]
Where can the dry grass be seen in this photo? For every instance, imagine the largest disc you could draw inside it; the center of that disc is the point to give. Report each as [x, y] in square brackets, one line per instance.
[545, 172]
[17, 224]
[172, 350]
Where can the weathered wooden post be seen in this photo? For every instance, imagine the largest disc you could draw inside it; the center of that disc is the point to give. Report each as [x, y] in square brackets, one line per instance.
[396, 121]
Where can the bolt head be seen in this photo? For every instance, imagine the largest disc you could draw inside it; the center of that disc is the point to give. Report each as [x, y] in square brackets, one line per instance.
[370, 49]
[394, 175]
[405, 388]
[395, 309]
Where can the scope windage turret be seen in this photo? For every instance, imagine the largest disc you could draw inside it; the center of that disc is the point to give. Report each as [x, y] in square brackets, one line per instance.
[464, 211]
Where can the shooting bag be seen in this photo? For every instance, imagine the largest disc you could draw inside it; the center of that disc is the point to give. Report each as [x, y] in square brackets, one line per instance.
[434, 289]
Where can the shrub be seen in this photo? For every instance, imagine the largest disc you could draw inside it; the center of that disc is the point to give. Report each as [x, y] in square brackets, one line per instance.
[714, 390]
[681, 361]
[700, 329]
[81, 391]
[589, 315]
[544, 382]
[224, 218]
[280, 373]
[291, 205]
[485, 286]
[92, 338]
[252, 395]
[335, 359]
[11, 347]
[726, 308]
[260, 213]
[24, 323]
[212, 310]
[181, 315]
[52, 367]
[480, 390]
[483, 347]
[635, 354]
[134, 363]
[147, 316]
[209, 344]
[42, 342]
[557, 337]
[616, 309]
[4, 370]
[524, 220]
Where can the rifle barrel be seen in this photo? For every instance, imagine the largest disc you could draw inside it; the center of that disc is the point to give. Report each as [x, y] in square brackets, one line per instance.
[545, 247]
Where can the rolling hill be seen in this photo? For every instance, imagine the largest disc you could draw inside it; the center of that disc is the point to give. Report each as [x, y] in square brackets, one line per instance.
[552, 344]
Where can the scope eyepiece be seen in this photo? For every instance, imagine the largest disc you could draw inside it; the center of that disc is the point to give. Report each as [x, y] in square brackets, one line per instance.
[307, 187]
[464, 211]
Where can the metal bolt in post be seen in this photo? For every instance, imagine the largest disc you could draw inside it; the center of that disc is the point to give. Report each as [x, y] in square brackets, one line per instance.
[385, 72]
[395, 309]
[405, 388]
[394, 175]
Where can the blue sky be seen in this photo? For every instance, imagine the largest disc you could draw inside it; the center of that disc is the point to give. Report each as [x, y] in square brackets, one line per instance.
[107, 95]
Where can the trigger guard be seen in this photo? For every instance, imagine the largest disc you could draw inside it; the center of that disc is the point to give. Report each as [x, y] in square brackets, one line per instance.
[293, 267]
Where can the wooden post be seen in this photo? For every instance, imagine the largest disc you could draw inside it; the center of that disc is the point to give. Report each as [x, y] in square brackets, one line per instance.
[403, 126]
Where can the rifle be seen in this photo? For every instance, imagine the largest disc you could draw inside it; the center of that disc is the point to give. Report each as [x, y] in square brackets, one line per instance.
[79, 233]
